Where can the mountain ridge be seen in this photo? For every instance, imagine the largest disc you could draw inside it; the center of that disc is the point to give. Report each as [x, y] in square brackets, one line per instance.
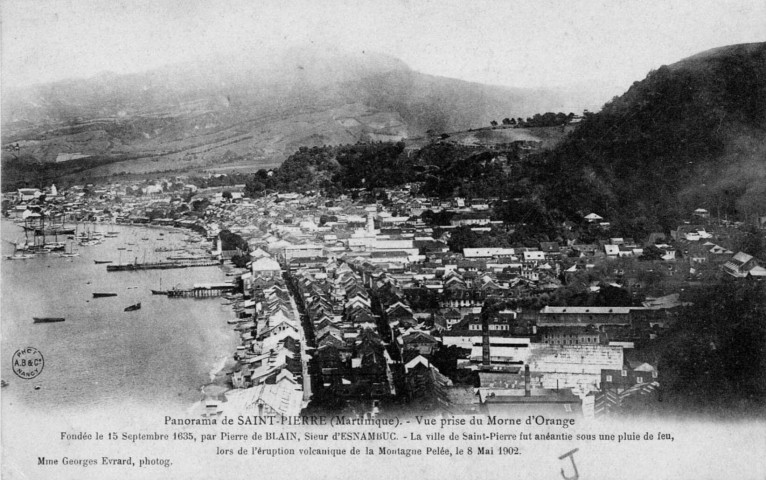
[255, 110]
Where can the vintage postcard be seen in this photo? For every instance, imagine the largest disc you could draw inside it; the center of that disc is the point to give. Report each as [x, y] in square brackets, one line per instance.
[376, 239]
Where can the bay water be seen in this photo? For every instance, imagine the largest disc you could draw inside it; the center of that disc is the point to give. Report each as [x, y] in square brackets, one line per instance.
[102, 356]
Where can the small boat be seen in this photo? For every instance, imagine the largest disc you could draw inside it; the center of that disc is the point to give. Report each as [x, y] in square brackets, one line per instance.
[101, 295]
[47, 319]
[18, 257]
[159, 292]
[132, 308]
[3, 383]
[97, 262]
[120, 248]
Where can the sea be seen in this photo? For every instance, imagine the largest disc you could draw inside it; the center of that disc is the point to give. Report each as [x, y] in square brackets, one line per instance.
[158, 356]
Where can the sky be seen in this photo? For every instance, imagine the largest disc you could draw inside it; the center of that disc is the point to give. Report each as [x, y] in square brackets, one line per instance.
[517, 43]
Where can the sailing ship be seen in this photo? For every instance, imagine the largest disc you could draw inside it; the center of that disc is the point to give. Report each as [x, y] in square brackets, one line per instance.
[70, 253]
[160, 291]
[19, 256]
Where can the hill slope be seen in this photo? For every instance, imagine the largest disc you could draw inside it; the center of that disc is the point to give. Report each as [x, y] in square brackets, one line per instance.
[692, 134]
[257, 109]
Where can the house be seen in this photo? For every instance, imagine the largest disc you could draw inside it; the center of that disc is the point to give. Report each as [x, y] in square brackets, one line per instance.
[584, 316]
[452, 317]
[487, 253]
[570, 366]
[551, 249]
[281, 399]
[424, 382]
[619, 380]
[302, 251]
[390, 257]
[497, 324]
[534, 256]
[513, 402]
[743, 265]
[266, 266]
[571, 336]
[415, 342]
[474, 218]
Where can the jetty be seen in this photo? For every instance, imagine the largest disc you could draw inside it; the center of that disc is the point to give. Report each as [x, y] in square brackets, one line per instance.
[202, 291]
[130, 267]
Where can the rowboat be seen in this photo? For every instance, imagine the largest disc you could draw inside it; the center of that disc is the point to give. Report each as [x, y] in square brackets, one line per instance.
[47, 319]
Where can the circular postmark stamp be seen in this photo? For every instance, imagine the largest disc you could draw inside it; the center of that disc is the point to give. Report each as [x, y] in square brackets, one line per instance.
[28, 362]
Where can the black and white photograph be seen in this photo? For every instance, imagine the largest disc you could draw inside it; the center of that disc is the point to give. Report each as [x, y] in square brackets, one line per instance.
[377, 239]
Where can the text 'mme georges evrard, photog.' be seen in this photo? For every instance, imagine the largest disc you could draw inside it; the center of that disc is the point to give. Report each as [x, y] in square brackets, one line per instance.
[336, 239]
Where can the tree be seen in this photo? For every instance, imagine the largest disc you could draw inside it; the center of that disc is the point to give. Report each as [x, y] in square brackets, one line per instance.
[713, 356]
[751, 243]
[462, 237]
[231, 241]
[240, 261]
[506, 121]
[651, 253]
[493, 123]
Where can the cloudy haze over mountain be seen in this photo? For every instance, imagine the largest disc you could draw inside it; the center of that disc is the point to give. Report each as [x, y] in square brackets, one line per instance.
[603, 44]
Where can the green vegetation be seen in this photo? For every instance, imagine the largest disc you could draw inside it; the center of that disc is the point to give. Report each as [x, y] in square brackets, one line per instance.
[548, 119]
[444, 169]
[25, 171]
[713, 357]
[232, 241]
[334, 169]
[678, 140]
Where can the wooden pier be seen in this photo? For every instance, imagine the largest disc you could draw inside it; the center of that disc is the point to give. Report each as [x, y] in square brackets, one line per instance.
[201, 292]
[130, 267]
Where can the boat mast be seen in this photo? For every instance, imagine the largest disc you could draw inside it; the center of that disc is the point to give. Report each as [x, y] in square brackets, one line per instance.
[42, 220]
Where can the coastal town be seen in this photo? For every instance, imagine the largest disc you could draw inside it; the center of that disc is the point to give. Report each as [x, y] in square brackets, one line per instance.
[374, 303]
[373, 238]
